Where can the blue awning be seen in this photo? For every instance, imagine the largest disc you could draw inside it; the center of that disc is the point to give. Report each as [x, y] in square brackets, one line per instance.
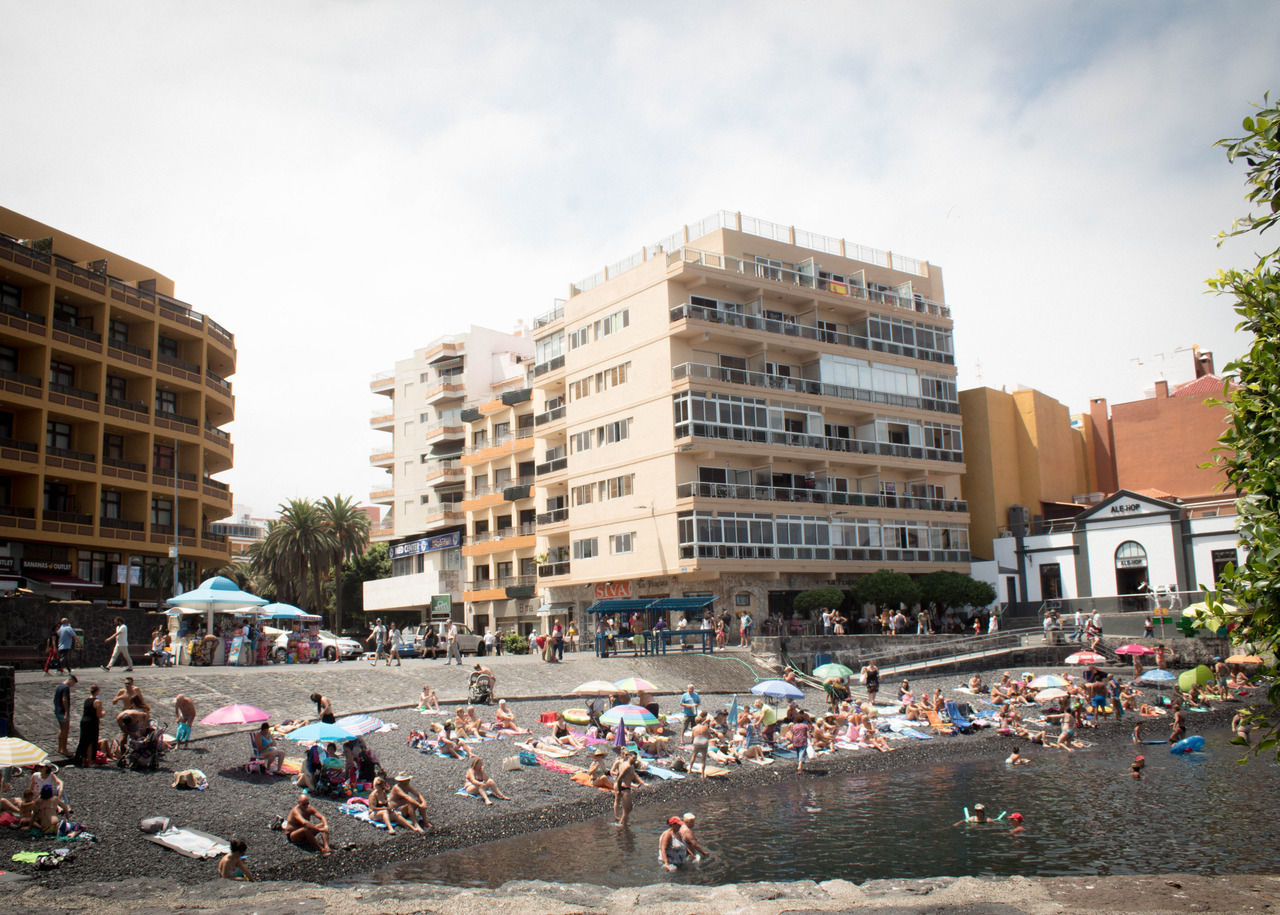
[651, 605]
[683, 604]
[622, 605]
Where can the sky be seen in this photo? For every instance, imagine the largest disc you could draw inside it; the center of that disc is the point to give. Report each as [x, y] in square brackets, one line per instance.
[339, 183]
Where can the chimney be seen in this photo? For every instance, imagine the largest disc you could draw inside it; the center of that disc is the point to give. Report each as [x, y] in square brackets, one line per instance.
[1204, 364]
[1162, 389]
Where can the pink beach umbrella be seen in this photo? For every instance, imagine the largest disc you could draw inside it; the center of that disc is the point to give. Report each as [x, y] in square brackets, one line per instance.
[1135, 649]
[235, 714]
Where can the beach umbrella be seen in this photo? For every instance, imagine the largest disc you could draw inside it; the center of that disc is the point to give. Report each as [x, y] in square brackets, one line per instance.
[633, 685]
[359, 724]
[218, 593]
[15, 751]
[1157, 678]
[777, 689]
[285, 612]
[620, 736]
[733, 713]
[1135, 649]
[1050, 694]
[595, 688]
[1047, 681]
[630, 715]
[1085, 657]
[1196, 676]
[319, 732]
[1244, 659]
[235, 714]
[827, 671]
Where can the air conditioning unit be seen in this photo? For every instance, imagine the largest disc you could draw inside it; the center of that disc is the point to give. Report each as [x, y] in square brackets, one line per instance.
[1019, 520]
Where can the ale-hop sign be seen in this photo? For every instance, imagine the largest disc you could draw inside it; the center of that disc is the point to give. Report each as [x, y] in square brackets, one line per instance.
[612, 590]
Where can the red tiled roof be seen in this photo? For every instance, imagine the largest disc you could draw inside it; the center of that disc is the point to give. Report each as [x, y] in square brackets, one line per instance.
[1204, 386]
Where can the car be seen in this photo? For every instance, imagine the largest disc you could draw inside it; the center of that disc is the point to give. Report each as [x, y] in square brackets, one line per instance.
[330, 644]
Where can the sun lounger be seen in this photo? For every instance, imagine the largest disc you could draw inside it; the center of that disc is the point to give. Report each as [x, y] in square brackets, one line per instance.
[191, 842]
[942, 727]
[961, 722]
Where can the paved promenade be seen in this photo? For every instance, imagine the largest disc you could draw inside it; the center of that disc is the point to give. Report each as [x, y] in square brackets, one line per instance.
[354, 686]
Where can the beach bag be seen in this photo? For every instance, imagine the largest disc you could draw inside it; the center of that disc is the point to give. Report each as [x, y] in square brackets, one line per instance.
[862, 678]
[153, 825]
[511, 763]
[527, 758]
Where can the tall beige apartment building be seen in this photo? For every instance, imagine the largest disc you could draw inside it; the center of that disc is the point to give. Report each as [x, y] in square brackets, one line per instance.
[744, 410]
[114, 398]
[426, 485]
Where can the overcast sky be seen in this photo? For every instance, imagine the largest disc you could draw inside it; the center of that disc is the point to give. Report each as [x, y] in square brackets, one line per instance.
[338, 183]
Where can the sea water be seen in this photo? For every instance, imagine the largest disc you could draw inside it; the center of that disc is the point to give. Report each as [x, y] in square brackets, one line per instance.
[1084, 814]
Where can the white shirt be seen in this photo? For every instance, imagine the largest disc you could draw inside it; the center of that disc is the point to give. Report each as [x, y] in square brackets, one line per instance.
[122, 635]
[452, 634]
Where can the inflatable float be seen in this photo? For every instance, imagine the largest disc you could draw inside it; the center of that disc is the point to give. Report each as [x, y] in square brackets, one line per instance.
[1188, 745]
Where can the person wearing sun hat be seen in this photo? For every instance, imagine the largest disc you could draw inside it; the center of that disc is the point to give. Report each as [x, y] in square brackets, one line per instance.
[671, 848]
[407, 801]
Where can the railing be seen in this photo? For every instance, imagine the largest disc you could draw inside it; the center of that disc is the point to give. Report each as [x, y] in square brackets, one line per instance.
[217, 433]
[541, 419]
[169, 475]
[523, 530]
[210, 535]
[121, 524]
[76, 330]
[72, 391]
[67, 517]
[176, 417]
[818, 553]
[215, 484]
[555, 516]
[551, 466]
[70, 455]
[514, 581]
[549, 366]
[443, 426]
[381, 378]
[755, 435]
[18, 444]
[808, 332]
[806, 386]
[124, 465]
[765, 493]
[218, 381]
[785, 275]
[555, 314]
[17, 511]
[137, 406]
[179, 363]
[12, 244]
[30, 380]
[218, 332]
[126, 346]
[17, 312]
[553, 569]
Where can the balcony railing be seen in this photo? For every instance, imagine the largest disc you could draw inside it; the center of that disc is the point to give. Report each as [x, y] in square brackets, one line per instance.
[523, 530]
[67, 517]
[126, 346]
[29, 380]
[137, 406]
[215, 484]
[808, 332]
[17, 511]
[179, 363]
[549, 317]
[124, 465]
[816, 496]
[218, 381]
[553, 569]
[162, 413]
[550, 365]
[551, 466]
[550, 416]
[217, 433]
[121, 524]
[18, 312]
[793, 385]
[70, 455]
[18, 444]
[72, 391]
[76, 330]
[755, 435]
[555, 516]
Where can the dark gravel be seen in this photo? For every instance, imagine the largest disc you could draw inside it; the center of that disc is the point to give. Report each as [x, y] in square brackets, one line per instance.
[111, 801]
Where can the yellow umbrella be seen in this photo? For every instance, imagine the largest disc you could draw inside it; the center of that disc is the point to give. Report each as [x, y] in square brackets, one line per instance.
[17, 752]
[596, 688]
[1244, 659]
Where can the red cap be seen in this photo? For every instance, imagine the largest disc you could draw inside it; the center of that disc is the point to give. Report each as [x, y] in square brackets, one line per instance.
[1139, 759]
[675, 821]
[1016, 816]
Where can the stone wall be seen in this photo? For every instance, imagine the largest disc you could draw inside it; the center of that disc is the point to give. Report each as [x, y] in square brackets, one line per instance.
[28, 622]
[6, 701]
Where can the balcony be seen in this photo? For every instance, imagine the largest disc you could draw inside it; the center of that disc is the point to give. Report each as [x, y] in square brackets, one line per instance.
[381, 458]
[445, 391]
[382, 495]
[120, 524]
[125, 351]
[553, 569]
[63, 517]
[551, 365]
[555, 516]
[217, 383]
[17, 449]
[506, 533]
[122, 464]
[18, 383]
[219, 333]
[21, 319]
[166, 420]
[551, 466]
[785, 328]
[512, 398]
[68, 459]
[816, 496]
[550, 416]
[216, 436]
[443, 431]
[70, 329]
[178, 368]
[71, 396]
[550, 317]
[180, 312]
[790, 385]
[383, 383]
[24, 255]
[120, 403]
[757, 436]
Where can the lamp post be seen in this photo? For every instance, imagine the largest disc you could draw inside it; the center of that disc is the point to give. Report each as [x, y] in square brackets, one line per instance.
[173, 551]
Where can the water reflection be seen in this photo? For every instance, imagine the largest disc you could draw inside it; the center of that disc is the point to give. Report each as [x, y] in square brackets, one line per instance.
[1202, 814]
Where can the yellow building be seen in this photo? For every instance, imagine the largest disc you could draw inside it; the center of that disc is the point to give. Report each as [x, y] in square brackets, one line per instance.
[745, 410]
[1021, 449]
[115, 395]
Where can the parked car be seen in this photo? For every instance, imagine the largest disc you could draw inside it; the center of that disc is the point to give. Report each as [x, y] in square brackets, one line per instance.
[330, 644]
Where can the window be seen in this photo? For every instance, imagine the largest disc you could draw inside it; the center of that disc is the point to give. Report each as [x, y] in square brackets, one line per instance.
[613, 323]
[66, 312]
[57, 436]
[117, 332]
[612, 377]
[548, 348]
[504, 569]
[580, 389]
[582, 495]
[587, 548]
[616, 487]
[57, 498]
[501, 478]
[579, 442]
[162, 460]
[168, 346]
[166, 402]
[524, 423]
[622, 543]
[117, 387]
[529, 566]
[112, 446]
[8, 359]
[501, 432]
[742, 600]
[161, 512]
[479, 439]
[768, 269]
[111, 503]
[579, 337]
[613, 432]
[10, 297]
[62, 373]
[424, 418]
[481, 526]
[1221, 559]
[424, 378]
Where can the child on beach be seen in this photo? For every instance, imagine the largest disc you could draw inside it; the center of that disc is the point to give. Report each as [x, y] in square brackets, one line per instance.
[232, 866]
[427, 700]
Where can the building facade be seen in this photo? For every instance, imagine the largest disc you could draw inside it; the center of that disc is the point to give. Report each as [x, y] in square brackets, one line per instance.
[425, 519]
[115, 395]
[745, 410]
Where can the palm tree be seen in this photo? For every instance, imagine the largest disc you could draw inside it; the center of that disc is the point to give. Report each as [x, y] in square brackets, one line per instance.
[299, 550]
[349, 527]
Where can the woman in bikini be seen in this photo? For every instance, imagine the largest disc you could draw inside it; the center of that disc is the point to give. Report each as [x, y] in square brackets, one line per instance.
[701, 741]
[479, 784]
[379, 809]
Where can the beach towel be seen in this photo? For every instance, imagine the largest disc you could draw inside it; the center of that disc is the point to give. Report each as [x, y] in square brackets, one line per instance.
[661, 772]
[553, 766]
[291, 766]
[918, 735]
[463, 791]
[191, 842]
[358, 808]
[554, 750]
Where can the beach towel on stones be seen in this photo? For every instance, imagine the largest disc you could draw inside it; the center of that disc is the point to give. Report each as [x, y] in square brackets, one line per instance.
[191, 842]
[659, 772]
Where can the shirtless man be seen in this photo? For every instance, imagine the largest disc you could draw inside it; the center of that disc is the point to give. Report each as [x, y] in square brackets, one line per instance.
[185, 711]
[407, 801]
[624, 779]
[124, 696]
[47, 815]
[307, 826]
[1179, 729]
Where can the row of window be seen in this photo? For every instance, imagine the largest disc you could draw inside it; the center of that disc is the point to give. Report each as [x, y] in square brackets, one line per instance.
[602, 490]
[59, 497]
[751, 529]
[63, 374]
[599, 382]
[600, 329]
[69, 313]
[617, 431]
[589, 547]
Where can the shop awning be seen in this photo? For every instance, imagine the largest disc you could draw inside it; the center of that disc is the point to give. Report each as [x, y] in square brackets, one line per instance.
[651, 605]
[54, 580]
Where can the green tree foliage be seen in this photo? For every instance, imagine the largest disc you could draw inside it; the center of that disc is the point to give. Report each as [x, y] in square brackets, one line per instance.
[945, 589]
[886, 589]
[297, 554]
[349, 528]
[1250, 448]
[817, 598]
[371, 565]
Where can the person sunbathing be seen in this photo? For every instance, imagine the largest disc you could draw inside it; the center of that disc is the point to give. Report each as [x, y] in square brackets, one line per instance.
[45, 775]
[305, 826]
[448, 743]
[427, 699]
[872, 738]
[478, 783]
[744, 745]
[407, 801]
[24, 809]
[503, 718]
[380, 808]
[465, 725]
[564, 736]
[975, 683]
[596, 776]
[939, 700]
[649, 740]
[264, 748]
[824, 733]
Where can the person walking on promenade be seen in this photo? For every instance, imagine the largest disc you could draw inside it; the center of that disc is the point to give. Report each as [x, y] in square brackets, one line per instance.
[66, 642]
[62, 710]
[378, 636]
[1077, 623]
[395, 640]
[51, 658]
[451, 638]
[121, 636]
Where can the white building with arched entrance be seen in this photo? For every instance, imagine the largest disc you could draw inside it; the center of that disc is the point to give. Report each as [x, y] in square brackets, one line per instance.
[1118, 554]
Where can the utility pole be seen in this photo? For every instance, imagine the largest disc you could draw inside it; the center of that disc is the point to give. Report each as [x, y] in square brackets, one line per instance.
[173, 552]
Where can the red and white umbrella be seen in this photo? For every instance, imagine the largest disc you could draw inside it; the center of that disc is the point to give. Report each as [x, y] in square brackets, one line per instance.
[1085, 657]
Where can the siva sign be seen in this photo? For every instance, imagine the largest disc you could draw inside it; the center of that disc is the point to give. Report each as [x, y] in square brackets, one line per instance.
[1126, 508]
[612, 590]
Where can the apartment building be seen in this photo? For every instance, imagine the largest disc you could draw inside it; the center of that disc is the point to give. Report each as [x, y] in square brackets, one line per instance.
[424, 519]
[745, 410]
[115, 395]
